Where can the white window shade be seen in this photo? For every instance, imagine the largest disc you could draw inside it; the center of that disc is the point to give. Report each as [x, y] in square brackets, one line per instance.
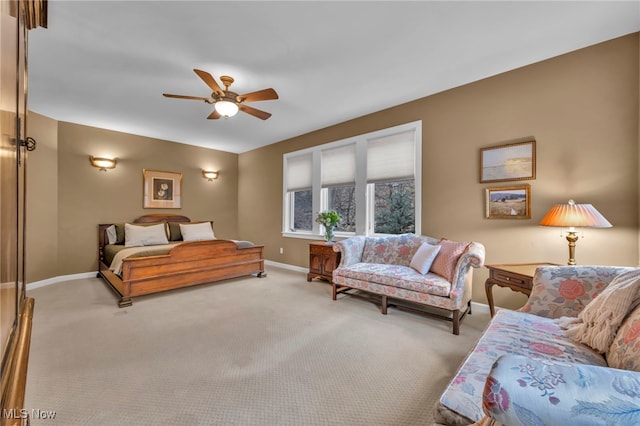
[339, 166]
[391, 157]
[299, 169]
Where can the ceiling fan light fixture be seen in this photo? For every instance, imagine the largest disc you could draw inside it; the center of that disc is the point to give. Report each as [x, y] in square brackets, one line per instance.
[227, 103]
[226, 108]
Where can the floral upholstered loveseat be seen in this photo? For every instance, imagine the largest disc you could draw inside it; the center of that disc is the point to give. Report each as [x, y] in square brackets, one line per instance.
[416, 268]
[525, 370]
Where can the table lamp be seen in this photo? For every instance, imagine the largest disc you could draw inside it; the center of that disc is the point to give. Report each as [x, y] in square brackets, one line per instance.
[572, 216]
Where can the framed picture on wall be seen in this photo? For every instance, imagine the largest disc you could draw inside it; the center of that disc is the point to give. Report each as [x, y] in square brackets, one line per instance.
[161, 189]
[508, 202]
[515, 161]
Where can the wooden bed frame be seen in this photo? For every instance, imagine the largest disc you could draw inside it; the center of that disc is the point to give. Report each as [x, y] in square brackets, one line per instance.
[188, 264]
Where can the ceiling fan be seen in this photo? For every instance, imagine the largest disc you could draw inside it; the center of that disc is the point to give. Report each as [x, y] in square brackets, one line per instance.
[226, 102]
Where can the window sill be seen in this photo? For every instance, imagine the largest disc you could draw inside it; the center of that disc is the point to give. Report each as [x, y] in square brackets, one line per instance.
[310, 236]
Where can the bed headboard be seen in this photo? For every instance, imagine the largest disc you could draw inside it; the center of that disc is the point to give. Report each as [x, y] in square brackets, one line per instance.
[147, 218]
[161, 217]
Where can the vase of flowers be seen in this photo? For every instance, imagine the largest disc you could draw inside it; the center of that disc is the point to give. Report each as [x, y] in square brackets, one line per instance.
[329, 219]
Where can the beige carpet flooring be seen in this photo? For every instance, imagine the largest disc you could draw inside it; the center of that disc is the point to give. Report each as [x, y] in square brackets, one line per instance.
[249, 351]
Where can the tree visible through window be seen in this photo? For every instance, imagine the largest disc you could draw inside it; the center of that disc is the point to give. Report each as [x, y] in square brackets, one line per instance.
[302, 211]
[394, 207]
[343, 200]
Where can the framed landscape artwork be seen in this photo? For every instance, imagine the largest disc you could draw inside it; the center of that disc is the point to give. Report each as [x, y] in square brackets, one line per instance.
[161, 189]
[516, 161]
[509, 202]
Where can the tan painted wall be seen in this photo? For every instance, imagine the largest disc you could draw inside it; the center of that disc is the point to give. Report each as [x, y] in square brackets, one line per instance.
[87, 196]
[42, 199]
[582, 109]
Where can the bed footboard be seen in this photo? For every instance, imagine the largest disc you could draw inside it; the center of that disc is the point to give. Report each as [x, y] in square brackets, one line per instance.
[185, 265]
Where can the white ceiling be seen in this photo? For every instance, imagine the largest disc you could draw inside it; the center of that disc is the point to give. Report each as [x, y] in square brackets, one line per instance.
[107, 63]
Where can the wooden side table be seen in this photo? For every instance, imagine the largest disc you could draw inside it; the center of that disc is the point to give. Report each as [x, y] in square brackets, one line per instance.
[322, 261]
[516, 276]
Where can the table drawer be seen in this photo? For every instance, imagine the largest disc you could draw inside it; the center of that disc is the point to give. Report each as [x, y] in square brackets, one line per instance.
[513, 279]
[319, 249]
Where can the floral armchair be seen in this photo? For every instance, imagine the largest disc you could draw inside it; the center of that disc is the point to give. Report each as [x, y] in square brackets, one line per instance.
[525, 370]
[546, 391]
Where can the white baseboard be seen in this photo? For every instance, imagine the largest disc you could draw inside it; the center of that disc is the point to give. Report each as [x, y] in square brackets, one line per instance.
[286, 266]
[480, 306]
[61, 278]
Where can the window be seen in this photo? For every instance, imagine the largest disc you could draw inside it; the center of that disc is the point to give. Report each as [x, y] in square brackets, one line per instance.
[390, 177]
[299, 193]
[339, 184]
[302, 210]
[372, 180]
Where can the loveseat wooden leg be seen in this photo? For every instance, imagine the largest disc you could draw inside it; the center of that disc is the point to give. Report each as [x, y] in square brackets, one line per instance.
[335, 291]
[456, 322]
[384, 305]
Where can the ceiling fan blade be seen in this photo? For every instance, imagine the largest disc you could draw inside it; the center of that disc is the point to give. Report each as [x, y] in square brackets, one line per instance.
[260, 95]
[196, 98]
[211, 82]
[262, 115]
[214, 115]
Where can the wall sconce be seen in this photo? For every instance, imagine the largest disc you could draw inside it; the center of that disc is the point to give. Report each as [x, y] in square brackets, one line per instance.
[572, 216]
[210, 175]
[102, 163]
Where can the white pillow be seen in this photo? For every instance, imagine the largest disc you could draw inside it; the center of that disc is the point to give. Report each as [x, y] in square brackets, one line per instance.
[424, 257]
[135, 235]
[112, 236]
[197, 231]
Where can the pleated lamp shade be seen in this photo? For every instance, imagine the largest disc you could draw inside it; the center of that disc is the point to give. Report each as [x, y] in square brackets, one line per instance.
[575, 215]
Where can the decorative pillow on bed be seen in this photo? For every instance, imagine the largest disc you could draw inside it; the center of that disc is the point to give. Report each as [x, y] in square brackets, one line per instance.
[119, 233]
[140, 235]
[197, 231]
[174, 231]
[112, 235]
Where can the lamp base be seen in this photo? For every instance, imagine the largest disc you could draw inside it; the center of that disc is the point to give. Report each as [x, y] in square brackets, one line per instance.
[572, 237]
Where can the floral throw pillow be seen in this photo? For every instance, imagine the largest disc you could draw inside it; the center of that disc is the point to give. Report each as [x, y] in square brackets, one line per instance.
[624, 352]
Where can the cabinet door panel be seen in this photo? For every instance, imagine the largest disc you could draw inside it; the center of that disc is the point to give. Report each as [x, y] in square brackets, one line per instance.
[315, 263]
[9, 104]
[329, 264]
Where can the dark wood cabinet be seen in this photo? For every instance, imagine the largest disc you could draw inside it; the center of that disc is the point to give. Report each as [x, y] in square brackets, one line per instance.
[322, 261]
[17, 309]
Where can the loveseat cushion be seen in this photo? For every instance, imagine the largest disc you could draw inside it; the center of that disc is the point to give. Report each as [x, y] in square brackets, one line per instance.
[397, 276]
[624, 352]
[394, 249]
[522, 391]
[510, 332]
